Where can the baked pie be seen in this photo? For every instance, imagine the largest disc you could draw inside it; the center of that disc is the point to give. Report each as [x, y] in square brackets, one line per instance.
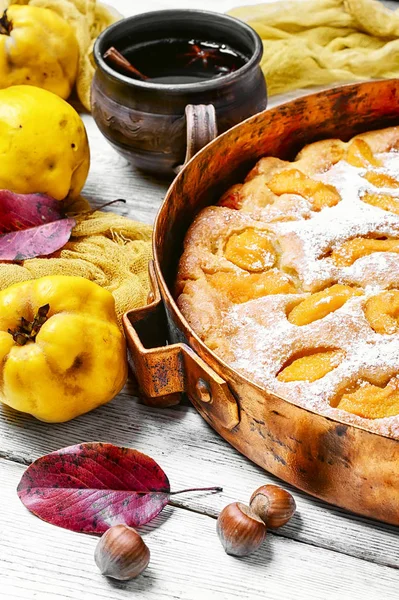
[293, 278]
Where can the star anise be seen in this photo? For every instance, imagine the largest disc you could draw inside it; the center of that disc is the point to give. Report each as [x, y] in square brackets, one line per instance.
[197, 53]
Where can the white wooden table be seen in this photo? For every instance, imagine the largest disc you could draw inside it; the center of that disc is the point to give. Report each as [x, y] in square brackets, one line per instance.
[322, 553]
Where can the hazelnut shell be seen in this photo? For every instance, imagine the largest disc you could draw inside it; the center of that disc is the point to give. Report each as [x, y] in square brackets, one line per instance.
[274, 505]
[240, 530]
[121, 553]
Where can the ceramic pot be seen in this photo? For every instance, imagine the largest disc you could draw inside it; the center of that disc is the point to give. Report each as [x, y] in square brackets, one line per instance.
[147, 122]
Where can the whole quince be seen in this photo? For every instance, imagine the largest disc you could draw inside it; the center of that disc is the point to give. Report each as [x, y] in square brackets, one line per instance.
[37, 47]
[61, 350]
[43, 144]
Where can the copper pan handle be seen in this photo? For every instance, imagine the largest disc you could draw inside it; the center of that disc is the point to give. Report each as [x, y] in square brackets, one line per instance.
[201, 129]
[164, 371]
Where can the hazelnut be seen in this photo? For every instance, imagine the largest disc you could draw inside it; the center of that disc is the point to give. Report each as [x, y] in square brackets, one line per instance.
[239, 529]
[273, 505]
[121, 553]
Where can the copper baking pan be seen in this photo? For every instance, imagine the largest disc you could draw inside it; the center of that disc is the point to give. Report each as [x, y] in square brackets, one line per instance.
[343, 464]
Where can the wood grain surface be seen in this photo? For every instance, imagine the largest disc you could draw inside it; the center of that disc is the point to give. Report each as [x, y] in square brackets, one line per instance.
[193, 455]
[187, 562]
[323, 553]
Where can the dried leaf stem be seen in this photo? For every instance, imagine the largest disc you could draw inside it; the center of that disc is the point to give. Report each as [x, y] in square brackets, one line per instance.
[205, 489]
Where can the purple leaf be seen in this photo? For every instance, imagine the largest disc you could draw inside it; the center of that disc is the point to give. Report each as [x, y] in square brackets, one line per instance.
[91, 487]
[22, 211]
[37, 241]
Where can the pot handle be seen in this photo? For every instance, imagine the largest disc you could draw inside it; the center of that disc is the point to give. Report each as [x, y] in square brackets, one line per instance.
[165, 371]
[201, 129]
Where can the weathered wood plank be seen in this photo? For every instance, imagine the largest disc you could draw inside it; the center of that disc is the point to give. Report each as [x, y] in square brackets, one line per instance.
[187, 561]
[192, 454]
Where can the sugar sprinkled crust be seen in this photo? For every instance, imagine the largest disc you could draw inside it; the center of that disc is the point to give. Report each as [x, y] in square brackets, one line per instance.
[304, 240]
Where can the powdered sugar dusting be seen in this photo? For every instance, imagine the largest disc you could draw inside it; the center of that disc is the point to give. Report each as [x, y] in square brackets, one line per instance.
[305, 250]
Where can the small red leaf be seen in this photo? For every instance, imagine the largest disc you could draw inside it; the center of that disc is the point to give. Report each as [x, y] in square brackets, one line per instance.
[91, 487]
[22, 211]
[37, 241]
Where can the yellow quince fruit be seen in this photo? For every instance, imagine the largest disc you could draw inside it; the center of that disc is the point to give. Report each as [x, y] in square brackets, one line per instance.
[37, 47]
[61, 350]
[43, 144]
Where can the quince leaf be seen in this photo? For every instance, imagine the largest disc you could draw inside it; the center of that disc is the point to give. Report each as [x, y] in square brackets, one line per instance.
[22, 211]
[31, 225]
[93, 486]
[37, 241]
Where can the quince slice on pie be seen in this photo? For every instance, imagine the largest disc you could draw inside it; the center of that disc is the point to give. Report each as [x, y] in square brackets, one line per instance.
[382, 312]
[351, 250]
[242, 287]
[383, 201]
[292, 181]
[359, 154]
[381, 179]
[311, 367]
[372, 401]
[250, 250]
[319, 305]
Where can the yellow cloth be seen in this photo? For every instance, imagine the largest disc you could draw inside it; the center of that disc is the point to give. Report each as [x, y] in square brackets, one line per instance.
[106, 248]
[88, 18]
[318, 42]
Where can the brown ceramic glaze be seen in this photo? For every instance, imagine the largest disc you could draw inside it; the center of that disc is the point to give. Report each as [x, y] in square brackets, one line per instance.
[345, 465]
[145, 121]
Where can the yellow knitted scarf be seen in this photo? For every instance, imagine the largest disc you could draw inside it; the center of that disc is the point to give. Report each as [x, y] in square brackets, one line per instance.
[318, 42]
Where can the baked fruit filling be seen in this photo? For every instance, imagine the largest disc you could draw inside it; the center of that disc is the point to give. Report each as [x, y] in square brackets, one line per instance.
[311, 366]
[381, 179]
[293, 181]
[250, 250]
[371, 401]
[383, 201]
[319, 305]
[243, 287]
[348, 252]
[359, 154]
[382, 312]
[303, 255]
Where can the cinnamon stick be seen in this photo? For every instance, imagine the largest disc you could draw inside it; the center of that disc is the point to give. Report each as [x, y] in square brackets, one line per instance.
[118, 60]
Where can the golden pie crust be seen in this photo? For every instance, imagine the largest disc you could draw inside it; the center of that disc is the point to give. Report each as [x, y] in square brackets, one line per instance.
[293, 278]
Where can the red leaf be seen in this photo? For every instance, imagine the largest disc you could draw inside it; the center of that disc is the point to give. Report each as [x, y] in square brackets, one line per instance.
[90, 487]
[21, 211]
[37, 241]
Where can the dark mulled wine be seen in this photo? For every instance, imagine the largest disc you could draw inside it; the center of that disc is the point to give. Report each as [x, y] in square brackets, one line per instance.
[174, 61]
